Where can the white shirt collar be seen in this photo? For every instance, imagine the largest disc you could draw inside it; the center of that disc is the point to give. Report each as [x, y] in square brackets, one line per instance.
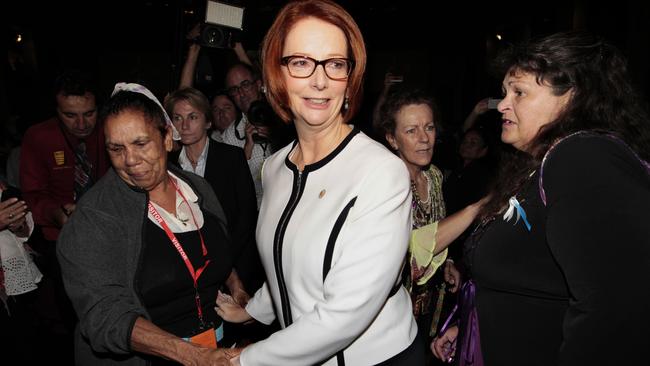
[182, 221]
[185, 163]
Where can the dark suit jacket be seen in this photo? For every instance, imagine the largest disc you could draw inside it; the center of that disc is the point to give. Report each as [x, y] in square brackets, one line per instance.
[227, 172]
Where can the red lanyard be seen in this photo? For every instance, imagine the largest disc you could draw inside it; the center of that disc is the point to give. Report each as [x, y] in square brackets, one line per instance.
[195, 274]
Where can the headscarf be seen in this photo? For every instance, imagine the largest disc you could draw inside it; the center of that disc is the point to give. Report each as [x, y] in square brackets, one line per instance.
[137, 88]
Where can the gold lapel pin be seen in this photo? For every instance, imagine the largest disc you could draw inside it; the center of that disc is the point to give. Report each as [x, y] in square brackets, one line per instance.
[321, 194]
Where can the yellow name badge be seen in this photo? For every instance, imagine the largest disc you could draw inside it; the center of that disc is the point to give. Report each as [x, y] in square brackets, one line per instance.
[205, 339]
[59, 157]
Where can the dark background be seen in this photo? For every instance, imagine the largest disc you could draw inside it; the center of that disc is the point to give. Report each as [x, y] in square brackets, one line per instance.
[444, 48]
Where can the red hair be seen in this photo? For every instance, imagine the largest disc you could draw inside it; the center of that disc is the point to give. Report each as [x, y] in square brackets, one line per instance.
[292, 13]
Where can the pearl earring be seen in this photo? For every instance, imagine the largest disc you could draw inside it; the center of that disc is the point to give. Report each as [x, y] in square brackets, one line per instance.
[346, 104]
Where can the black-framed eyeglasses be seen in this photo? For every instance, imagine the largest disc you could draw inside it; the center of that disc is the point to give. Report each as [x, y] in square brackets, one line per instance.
[303, 67]
[246, 85]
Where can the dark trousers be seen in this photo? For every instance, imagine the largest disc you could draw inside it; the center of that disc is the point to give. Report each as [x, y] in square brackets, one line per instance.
[19, 328]
[56, 306]
[412, 355]
[53, 310]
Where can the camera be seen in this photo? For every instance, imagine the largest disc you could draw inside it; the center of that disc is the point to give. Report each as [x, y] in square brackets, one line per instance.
[260, 114]
[222, 24]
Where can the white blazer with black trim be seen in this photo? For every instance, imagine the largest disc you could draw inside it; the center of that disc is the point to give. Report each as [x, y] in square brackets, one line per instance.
[332, 239]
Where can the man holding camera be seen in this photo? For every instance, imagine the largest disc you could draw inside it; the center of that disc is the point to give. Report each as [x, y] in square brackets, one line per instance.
[245, 89]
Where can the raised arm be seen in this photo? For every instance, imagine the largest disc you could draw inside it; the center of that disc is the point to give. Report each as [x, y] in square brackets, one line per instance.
[189, 67]
[450, 228]
[428, 243]
[241, 54]
[389, 80]
[480, 108]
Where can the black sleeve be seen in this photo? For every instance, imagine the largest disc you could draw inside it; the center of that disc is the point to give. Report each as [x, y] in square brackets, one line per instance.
[598, 229]
[248, 264]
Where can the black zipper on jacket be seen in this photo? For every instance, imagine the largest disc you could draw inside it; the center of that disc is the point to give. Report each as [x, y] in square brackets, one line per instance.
[280, 230]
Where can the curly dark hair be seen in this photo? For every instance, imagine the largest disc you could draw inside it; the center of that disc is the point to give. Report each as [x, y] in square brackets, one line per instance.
[397, 100]
[602, 100]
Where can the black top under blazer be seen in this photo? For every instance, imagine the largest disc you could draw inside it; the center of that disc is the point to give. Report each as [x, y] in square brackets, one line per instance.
[227, 172]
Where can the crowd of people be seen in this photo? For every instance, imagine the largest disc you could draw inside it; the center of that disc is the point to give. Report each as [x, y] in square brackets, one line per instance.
[256, 224]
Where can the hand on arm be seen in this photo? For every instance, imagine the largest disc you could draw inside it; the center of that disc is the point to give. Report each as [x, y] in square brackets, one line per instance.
[229, 310]
[147, 338]
[236, 288]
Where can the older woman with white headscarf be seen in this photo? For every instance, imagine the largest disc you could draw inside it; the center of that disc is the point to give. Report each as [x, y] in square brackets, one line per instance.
[146, 251]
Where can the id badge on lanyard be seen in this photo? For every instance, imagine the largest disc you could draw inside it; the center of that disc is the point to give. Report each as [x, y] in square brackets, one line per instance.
[209, 336]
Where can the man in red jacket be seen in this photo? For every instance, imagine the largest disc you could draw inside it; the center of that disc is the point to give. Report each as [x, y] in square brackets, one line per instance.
[63, 156]
[60, 159]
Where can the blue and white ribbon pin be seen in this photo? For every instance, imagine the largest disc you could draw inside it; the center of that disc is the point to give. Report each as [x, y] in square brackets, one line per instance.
[512, 205]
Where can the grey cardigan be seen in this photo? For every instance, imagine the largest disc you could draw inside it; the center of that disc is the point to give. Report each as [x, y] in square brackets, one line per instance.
[99, 252]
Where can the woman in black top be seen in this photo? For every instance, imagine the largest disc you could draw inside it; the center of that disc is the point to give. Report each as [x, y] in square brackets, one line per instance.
[564, 247]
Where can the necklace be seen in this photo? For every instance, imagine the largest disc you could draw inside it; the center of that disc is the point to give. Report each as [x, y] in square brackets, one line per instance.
[183, 218]
[421, 210]
[416, 195]
[192, 161]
